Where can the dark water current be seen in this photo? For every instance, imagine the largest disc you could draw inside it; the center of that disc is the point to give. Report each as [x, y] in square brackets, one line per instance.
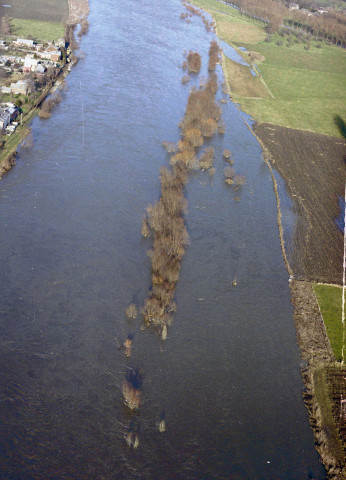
[72, 259]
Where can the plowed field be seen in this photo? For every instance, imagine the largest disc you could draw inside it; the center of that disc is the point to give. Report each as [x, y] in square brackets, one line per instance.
[313, 168]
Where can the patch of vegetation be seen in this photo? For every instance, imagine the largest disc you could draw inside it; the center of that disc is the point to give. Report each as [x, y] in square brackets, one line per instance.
[37, 30]
[330, 301]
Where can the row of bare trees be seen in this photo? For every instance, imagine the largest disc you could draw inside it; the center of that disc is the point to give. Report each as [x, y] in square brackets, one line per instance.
[331, 26]
[165, 219]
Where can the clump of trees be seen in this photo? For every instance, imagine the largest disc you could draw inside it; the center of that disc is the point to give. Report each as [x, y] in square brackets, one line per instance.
[191, 10]
[132, 389]
[84, 28]
[214, 56]
[206, 160]
[164, 220]
[49, 104]
[193, 62]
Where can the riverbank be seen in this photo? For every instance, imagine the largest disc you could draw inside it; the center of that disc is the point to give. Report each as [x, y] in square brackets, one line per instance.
[312, 166]
[78, 12]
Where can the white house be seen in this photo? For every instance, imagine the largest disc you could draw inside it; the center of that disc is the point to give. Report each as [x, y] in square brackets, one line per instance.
[30, 63]
[24, 42]
[21, 87]
[293, 6]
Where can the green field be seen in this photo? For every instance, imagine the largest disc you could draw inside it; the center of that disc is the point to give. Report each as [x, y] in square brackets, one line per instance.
[306, 78]
[39, 31]
[330, 302]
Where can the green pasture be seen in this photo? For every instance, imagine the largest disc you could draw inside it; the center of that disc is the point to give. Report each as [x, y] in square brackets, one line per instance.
[330, 301]
[38, 31]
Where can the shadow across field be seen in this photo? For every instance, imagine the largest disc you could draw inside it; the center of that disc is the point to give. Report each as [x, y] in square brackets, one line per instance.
[313, 168]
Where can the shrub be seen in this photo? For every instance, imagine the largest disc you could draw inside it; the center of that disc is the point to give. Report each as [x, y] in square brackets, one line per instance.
[239, 179]
[226, 153]
[131, 311]
[228, 172]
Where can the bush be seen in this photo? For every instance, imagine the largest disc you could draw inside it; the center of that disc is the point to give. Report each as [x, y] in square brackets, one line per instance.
[131, 311]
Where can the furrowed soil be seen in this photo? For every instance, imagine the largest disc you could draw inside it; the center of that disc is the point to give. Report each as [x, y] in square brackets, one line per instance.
[47, 11]
[313, 167]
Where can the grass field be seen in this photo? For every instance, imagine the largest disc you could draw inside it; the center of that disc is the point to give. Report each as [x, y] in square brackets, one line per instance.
[306, 78]
[39, 31]
[330, 302]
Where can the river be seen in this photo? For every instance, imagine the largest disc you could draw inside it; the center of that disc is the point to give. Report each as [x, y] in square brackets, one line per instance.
[227, 379]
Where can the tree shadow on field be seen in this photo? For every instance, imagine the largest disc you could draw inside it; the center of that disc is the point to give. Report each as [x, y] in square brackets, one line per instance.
[340, 123]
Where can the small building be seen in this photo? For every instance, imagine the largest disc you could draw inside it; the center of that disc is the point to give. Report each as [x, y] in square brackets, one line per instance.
[30, 64]
[293, 6]
[20, 88]
[24, 42]
[321, 11]
[5, 89]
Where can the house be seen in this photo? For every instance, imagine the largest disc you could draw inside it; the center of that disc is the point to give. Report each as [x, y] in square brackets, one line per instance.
[30, 64]
[293, 6]
[21, 87]
[13, 110]
[5, 119]
[51, 53]
[321, 11]
[24, 42]
[5, 89]
[40, 69]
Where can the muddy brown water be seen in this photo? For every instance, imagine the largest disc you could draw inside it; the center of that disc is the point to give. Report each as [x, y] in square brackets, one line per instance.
[72, 259]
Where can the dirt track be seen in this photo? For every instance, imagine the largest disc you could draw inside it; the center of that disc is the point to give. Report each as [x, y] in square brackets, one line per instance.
[313, 167]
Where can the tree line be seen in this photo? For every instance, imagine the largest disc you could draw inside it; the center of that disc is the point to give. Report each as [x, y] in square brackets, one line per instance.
[330, 26]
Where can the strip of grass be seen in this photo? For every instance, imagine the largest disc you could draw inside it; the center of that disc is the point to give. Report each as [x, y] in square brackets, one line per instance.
[330, 301]
[39, 31]
[242, 81]
[307, 82]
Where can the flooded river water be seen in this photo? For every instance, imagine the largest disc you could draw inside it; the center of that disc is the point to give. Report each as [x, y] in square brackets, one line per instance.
[72, 258]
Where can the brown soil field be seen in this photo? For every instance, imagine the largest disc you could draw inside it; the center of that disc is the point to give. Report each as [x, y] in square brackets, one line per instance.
[47, 11]
[313, 168]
